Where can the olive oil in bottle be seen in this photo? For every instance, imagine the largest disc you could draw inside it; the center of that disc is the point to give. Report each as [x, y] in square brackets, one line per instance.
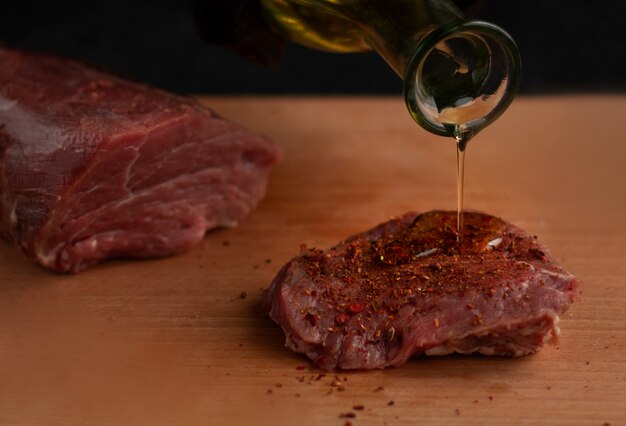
[459, 76]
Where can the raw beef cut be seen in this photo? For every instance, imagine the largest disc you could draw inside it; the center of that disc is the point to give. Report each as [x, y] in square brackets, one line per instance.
[407, 287]
[95, 167]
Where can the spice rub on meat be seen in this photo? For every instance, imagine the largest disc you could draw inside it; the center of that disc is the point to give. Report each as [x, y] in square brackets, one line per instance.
[407, 287]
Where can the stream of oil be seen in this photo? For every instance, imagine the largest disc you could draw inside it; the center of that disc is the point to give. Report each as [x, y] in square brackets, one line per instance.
[461, 145]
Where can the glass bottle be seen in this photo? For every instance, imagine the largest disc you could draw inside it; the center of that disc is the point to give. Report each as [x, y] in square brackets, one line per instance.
[459, 75]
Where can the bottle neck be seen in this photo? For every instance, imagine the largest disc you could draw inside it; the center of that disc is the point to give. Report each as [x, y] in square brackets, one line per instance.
[461, 77]
[393, 29]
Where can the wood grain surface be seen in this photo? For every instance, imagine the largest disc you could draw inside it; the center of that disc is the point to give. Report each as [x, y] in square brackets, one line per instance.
[174, 342]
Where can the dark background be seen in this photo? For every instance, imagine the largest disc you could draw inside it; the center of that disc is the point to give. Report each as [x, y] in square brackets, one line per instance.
[567, 46]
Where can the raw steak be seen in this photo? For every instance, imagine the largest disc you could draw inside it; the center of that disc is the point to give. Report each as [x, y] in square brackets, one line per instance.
[95, 167]
[407, 287]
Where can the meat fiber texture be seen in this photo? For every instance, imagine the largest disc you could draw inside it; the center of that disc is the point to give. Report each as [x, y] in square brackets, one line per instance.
[95, 167]
[407, 287]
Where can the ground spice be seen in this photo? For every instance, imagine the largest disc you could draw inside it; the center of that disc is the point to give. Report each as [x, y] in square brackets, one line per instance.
[348, 415]
[358, 407]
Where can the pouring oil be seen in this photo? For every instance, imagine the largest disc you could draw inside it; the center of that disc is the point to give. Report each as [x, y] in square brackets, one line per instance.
[461, 145]
[459, 75]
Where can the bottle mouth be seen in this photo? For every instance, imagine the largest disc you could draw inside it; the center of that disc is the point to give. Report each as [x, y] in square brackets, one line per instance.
[462, 77]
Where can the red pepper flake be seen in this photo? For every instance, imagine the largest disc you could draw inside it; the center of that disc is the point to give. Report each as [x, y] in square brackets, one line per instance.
[349, 423]
[355, 308]
[268, 260]
[300, 379]
[390, 403]
[243, 295]
[269, 391]
[341, 318]
[225, 243]
[279, 385]
[475, 401]
[300, 367]
[490, 398]
[312, 319]
[348, 415]
[358, 407]
[320, 376]
[379, 388]
[457, 411]
[297, 395]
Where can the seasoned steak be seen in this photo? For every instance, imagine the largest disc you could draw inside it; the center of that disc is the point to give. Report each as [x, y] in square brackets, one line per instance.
[94, 167]
[407, 287]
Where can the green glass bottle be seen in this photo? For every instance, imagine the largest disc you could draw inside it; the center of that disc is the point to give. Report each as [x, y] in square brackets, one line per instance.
[459, 75]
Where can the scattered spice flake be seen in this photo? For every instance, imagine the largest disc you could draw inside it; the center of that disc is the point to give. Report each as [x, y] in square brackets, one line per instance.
[379, 388]
[341, 388]
[348, 415]
[225, 243]
[320, 376]
[355, 308]
[279, 385]
[457, 411]
[358, 407]
[243, 295]
[390, 403]
[301, 367]
[490, 398]
[548, 387]
[300, 379]
[297, 394]
[269, 391]
[587, 363]
[268, 260]
[475, 401]
[341, 318]
[347, 423]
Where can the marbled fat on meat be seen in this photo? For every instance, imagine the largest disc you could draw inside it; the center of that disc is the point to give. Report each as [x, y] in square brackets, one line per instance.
[406, 287]
[95, 167]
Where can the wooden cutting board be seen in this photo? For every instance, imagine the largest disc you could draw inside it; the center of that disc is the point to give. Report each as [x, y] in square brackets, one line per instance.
[181, 341]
